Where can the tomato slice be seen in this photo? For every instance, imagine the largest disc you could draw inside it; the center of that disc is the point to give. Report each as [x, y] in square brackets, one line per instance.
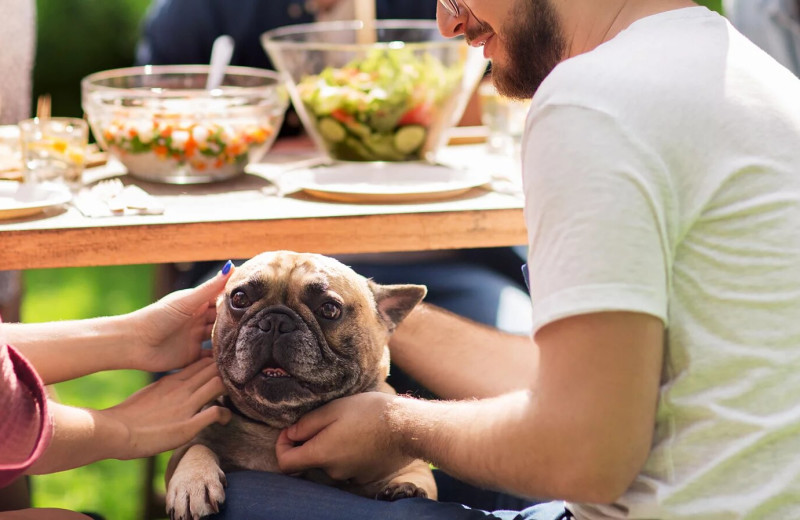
[421, 114]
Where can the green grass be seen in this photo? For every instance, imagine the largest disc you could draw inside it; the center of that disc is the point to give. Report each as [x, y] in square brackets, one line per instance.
[112, 488]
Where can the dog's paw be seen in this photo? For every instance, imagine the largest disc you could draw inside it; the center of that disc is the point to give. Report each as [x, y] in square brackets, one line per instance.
[401, 490]
[191, 495]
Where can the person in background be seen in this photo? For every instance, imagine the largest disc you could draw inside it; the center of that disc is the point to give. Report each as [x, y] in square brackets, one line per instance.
[38, 435]
[773, 25]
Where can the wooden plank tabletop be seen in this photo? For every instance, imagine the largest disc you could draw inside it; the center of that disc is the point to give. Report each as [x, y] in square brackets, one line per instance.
[245, 216]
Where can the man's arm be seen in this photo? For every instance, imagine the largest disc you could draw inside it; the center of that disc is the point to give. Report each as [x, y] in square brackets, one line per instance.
[580, 430]
[459, 359]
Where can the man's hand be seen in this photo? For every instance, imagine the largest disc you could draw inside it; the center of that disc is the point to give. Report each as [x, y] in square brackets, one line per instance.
[171, 331]
[349, 438]
[164, 414]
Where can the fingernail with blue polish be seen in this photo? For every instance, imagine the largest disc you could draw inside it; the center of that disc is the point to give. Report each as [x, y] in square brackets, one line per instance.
[227, 268]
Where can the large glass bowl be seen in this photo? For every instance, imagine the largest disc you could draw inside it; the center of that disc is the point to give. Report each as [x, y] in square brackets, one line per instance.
[382, 92]
[164, 126]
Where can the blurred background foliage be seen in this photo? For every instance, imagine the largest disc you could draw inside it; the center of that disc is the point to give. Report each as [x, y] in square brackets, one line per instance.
[76, 38]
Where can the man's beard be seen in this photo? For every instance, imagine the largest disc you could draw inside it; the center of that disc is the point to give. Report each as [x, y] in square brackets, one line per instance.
[534, 45]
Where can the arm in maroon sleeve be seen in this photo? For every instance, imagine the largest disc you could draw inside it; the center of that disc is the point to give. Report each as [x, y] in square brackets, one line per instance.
[25, 426]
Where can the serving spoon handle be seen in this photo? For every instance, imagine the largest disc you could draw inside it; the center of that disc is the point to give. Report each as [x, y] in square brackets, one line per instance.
[221, 53]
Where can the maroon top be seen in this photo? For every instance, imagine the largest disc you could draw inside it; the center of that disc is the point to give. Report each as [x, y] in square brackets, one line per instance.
[25, 425]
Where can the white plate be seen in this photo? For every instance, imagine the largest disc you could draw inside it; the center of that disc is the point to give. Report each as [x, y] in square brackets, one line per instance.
[387, 182]
[22, 200]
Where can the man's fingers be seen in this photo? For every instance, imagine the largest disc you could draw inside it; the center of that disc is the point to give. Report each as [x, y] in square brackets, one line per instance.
[292, 459]
[310, 424]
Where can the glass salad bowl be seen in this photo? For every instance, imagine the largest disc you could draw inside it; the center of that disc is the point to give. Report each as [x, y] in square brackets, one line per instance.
[164, 126]
[382, 92]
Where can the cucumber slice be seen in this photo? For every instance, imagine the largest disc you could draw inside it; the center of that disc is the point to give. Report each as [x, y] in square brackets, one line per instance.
[408, 139]
[383, 147]
[351, 149]
[331, 130]
[358, 129]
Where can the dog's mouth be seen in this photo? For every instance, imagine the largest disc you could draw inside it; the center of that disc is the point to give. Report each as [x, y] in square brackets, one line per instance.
[274, 371]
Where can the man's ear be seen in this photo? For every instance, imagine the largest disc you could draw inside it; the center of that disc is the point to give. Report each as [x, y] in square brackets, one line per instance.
[394, 302]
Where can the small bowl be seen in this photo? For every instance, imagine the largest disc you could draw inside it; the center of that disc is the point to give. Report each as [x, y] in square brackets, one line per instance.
[164, 126]
[382, 92]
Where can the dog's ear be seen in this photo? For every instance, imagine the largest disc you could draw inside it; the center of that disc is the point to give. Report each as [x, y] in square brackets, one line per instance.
[394, 302]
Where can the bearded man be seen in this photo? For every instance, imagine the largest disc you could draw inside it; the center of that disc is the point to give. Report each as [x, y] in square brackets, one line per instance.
[662, 178]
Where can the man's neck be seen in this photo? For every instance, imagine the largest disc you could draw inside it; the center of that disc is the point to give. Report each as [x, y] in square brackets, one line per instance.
[589, 23]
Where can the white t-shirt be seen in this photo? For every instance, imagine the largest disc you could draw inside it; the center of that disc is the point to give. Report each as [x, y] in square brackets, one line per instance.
[662, 176]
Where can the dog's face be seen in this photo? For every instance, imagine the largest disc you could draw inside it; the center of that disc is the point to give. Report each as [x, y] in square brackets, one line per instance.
[295, 331]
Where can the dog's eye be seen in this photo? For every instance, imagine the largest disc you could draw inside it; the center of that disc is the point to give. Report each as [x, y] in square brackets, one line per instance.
[240, 300]
[330, 311]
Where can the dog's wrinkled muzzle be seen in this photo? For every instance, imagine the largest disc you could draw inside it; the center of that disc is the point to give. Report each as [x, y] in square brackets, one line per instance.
[271, 344]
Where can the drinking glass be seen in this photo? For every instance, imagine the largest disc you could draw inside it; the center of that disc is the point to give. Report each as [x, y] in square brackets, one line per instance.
[53, 149]
[504, 117]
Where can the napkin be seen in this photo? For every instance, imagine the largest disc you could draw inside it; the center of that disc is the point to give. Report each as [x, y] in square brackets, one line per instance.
[111, 198]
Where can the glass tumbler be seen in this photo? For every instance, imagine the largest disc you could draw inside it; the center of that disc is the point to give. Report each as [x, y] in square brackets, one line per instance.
[53, 149]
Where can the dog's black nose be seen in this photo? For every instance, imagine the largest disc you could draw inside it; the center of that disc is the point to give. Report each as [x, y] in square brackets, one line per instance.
[277, 323]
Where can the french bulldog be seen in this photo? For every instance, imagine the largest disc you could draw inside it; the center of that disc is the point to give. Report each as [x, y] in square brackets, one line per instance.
[293, 332]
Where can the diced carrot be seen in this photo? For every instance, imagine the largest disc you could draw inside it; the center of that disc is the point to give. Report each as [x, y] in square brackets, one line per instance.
[190, 147]
[342, 116]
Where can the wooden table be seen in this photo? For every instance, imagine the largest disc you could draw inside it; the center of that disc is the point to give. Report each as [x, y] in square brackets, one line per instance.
[244, 216]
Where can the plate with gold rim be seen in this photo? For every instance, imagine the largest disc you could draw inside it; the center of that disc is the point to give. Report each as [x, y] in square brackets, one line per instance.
[18, 200]
[387, 182]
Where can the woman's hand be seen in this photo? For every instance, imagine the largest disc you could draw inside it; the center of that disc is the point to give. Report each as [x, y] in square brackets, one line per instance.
[160, 417]
[164, 414]
[171, 331]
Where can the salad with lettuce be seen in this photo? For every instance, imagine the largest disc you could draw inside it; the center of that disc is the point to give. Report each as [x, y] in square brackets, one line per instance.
[381, 107]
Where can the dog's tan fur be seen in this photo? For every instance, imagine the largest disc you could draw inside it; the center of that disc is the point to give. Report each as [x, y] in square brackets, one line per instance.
[326, 359]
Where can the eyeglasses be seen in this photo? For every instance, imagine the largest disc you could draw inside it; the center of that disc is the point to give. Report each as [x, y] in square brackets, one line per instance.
[451, 6]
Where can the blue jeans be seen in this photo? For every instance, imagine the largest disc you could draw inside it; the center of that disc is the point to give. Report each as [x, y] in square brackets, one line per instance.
[254, 496]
